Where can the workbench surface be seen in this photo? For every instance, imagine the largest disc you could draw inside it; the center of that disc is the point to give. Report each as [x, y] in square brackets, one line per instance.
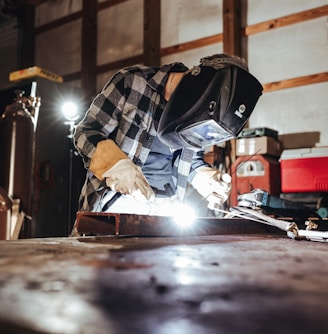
[209, 284]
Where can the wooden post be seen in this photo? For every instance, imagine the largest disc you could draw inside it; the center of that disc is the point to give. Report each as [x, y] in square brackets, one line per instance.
[89, 47]
[232, 44]
[152, 32]
[26, 17]
[232, 29]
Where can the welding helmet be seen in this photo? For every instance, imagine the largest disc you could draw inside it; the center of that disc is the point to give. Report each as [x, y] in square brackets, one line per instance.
[211, 104]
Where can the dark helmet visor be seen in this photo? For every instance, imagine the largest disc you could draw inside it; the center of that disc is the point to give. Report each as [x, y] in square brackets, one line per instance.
[209, 107]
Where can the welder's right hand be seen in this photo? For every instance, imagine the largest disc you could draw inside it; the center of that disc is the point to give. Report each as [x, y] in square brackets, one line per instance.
[213, 185]
[109, 162]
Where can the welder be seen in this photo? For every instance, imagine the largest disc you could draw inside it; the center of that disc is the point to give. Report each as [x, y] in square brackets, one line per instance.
[143, 138]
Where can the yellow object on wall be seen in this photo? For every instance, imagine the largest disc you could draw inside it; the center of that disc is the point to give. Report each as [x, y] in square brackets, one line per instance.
[32, 72]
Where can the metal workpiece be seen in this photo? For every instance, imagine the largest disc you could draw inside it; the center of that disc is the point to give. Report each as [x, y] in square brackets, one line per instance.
[239, 220]
[100, 223]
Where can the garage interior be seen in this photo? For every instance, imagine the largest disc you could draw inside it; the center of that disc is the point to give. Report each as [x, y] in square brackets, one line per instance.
[132, 273]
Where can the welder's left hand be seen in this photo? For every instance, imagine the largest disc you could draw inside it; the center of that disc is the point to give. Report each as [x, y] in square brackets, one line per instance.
[111, 164]
[213, 185]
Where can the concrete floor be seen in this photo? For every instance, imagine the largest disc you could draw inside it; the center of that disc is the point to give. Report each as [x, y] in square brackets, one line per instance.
[177, 285]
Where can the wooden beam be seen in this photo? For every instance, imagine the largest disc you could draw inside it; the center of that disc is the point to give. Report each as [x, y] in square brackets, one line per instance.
[197, 43]
[218, 38]
[256, 28]
[152, 32]
[74, 16]
[34, 2]
[116, 65]
[232, 27]
[267, 87]
[109, 3]
[89, 47]
[296, 82]
[283, 21]
[58, 23]
[107, 67]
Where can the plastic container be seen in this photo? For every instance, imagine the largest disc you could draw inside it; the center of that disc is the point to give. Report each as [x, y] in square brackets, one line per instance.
[304, 170]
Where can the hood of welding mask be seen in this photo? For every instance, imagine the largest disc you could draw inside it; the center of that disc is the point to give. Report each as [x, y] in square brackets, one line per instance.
[208, 106]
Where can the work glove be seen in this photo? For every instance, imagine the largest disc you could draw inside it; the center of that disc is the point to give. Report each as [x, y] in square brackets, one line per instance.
[111, 164]
[214, 186]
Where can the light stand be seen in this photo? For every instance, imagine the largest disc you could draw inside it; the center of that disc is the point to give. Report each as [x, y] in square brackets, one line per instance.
[70, 112]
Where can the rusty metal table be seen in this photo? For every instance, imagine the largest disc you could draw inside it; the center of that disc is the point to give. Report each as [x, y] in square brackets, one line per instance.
[238, 283]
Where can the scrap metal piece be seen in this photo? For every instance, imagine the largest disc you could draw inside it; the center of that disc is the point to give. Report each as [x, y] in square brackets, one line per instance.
[291, 228]
[319, 236]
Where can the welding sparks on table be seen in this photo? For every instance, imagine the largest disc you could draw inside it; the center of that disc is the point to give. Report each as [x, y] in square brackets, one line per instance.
[143, 138]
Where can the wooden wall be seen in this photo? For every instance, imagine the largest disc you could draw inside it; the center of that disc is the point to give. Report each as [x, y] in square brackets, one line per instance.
[285, 45]
[86, 41]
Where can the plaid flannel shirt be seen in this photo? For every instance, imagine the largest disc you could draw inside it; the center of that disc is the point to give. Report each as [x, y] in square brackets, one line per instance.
[127, 110]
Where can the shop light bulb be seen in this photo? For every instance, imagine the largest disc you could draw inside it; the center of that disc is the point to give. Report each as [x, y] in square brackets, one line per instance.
[70, 111]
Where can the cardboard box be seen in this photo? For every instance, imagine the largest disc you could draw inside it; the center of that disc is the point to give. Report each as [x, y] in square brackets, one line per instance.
[299, 140]
[258, 145]
[32, 72]
[304, 170]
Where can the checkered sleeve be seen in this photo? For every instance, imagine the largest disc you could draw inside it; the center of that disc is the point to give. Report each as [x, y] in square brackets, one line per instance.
[102, 117]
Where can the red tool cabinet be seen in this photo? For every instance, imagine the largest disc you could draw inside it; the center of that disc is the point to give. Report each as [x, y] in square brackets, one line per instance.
[251, 172]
